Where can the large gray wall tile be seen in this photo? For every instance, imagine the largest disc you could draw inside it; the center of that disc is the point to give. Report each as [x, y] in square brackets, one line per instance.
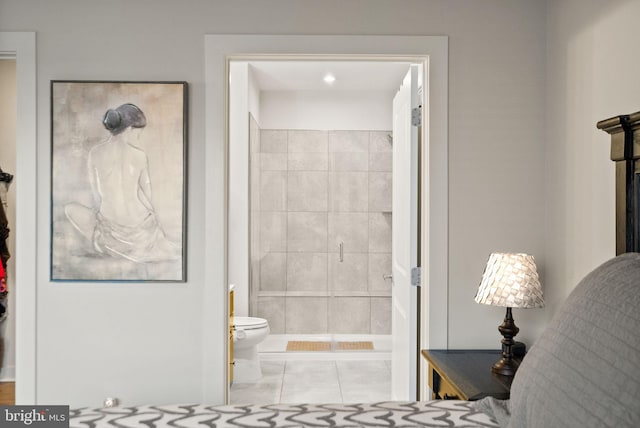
[273, 269]
[349, 161]
[381, 315]
[349, 275]
[348, 191]
[307, 141]
[379, 141]
[273, 141]
[273, 310]
[348, 141]
[379, 264]
[273, 191]
[380, 190]
[307, 272]
[306, 161]
[381, 161]
[273, 231]
[273, 161]
[307, 232]
[307, 191]
[350, 315]
[306, 315]
[255, 280]
[379, 233]
[352, 229]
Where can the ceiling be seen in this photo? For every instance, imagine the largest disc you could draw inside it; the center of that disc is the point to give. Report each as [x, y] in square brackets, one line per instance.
[308, 75]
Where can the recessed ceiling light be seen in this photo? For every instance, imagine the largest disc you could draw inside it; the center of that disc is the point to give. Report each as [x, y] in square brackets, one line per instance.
[329, 78]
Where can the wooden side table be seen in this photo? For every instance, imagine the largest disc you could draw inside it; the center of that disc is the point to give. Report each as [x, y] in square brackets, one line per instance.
[465, 375]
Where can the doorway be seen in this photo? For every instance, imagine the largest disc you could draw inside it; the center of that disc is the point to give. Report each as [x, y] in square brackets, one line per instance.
[310, 192]
[7, 199]
[21, 46]
[220, 50]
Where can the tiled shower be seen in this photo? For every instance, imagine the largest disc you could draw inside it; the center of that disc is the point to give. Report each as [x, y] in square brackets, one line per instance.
[321, 230]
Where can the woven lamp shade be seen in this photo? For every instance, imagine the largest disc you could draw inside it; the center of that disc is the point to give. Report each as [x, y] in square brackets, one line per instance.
[510, 280]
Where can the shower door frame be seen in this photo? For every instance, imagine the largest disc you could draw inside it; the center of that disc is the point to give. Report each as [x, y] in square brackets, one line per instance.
[432, 52]
[245, 262]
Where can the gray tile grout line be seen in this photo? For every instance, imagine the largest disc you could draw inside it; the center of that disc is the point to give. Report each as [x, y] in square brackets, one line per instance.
[335, 363]
[284, 370]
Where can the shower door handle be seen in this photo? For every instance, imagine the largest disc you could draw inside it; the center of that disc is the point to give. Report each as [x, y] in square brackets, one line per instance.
[341, 252]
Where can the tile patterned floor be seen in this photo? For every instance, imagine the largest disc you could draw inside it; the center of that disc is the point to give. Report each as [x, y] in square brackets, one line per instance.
[294, 381]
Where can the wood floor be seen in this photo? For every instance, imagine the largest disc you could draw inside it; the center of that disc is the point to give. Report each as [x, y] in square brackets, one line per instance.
[7, 393]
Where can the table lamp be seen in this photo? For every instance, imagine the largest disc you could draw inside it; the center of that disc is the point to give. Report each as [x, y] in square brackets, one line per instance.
[511, 281]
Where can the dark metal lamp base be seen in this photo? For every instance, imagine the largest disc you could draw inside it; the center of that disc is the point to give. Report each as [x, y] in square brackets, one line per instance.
[505, 367]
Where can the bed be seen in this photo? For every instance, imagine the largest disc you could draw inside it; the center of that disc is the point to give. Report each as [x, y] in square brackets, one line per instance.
[389, 414]
[583, 371]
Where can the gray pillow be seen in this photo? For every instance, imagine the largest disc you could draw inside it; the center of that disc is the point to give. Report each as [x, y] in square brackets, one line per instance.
[584, 370]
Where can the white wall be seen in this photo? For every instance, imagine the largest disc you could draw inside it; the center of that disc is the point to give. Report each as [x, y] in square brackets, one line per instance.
[244, 99]
[254, 96]
[496, 140]
[138, 342]
[326, 110]
[8, 164]
[593, 71]
[145, 342]
[238, 273]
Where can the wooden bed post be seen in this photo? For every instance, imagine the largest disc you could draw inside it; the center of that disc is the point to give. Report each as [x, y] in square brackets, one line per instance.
[625, 152]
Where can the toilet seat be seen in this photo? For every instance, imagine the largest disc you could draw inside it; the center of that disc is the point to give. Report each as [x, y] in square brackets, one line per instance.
[249, 323]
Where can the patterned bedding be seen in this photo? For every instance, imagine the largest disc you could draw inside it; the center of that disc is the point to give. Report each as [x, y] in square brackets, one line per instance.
[386, 414]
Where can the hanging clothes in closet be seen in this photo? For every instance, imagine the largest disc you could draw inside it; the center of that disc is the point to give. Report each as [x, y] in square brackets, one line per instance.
[5, 181]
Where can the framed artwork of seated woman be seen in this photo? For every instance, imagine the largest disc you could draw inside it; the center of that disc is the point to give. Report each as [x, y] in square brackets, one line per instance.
[118, 181]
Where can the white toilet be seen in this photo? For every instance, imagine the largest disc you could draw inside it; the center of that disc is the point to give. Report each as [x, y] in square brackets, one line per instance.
[248, 333]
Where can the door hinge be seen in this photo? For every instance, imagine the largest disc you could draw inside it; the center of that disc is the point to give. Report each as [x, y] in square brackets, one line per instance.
[416, 116]
[416, 276]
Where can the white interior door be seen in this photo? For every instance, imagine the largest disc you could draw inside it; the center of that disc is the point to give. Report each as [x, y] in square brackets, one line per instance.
[405, 240]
